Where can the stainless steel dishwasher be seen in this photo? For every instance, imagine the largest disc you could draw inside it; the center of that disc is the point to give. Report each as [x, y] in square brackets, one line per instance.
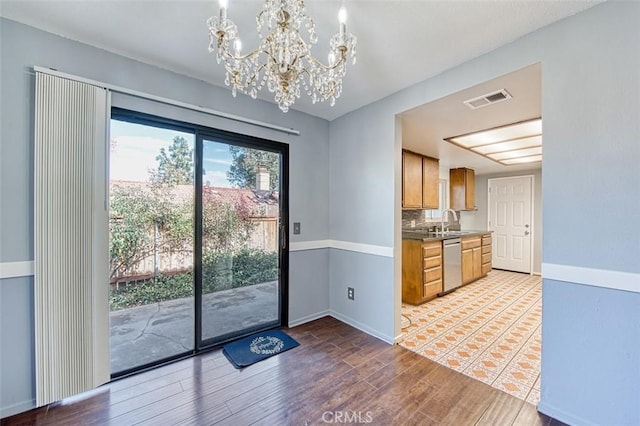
[452, 264]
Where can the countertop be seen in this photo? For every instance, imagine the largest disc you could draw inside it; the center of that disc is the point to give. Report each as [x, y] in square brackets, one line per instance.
[422, 235]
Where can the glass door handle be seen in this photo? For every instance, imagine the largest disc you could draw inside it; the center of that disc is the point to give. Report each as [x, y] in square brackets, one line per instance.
[284, 237]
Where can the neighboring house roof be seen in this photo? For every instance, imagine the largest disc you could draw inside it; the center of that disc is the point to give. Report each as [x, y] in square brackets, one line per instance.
[261, 204]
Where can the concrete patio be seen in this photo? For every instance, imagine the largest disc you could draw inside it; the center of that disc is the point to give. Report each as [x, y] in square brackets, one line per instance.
[151, 332]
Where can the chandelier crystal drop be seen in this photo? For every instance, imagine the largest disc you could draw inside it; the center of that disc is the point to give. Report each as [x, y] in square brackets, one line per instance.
[283, 60]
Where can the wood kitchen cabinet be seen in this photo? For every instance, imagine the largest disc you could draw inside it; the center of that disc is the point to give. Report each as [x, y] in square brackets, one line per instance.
[476, 257]
[486, 254]
[421, 270]
[462, 189]
[471, 258]
[420, 181]
[411, 180]
[430, 183]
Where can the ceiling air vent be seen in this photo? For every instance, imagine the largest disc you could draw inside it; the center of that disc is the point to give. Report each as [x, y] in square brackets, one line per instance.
[488, 99]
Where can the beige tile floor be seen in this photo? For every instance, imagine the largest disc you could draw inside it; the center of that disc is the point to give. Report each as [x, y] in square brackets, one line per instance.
[488, 330]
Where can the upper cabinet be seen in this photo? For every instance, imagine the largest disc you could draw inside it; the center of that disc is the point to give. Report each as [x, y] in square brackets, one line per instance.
[420, 180]
[462, 189]
[430, 183]
[411, 180]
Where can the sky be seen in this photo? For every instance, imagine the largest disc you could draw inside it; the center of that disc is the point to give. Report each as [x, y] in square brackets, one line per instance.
[133, 154]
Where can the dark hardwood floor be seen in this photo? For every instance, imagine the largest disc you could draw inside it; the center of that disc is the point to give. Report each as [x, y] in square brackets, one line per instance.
[337, 375]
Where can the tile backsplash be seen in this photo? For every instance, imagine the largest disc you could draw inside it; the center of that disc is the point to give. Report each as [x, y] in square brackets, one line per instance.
[420, 221]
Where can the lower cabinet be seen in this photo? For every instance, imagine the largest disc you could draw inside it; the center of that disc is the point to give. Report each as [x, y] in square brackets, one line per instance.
[422, 266]
[486, 254]
[474, 263]
[471, 258]
[421, 270]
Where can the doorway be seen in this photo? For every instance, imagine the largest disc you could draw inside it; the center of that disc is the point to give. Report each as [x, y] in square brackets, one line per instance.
[197, 224]
[510, 218]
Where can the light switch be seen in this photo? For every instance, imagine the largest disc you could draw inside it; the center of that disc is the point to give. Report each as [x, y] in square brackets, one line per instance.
[296, 228]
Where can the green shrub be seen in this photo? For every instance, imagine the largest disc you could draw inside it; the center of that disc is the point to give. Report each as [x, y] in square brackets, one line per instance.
[165, 287]
[246, 267]
[252, 266]
[220, 271]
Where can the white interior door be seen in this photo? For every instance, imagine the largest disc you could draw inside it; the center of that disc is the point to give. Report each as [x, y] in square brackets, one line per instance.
[510, 220]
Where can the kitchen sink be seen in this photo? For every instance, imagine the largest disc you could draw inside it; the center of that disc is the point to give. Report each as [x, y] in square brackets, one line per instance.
[457, 232]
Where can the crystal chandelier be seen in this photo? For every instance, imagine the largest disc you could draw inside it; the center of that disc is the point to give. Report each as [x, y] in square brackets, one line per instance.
[283, 60]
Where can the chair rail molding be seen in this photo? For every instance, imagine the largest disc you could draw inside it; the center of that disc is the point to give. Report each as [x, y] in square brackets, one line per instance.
[16, 269]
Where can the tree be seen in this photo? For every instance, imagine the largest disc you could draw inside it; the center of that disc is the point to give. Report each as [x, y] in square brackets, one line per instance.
[246, 162]
[176, 167]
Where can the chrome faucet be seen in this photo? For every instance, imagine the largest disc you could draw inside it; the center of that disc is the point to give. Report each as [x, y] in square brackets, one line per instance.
[444, 216]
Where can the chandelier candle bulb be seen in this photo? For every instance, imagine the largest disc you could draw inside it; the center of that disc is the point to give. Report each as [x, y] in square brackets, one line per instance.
[223, 4]
[342, 18]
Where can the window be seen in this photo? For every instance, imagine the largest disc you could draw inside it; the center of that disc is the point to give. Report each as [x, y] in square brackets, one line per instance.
[443, 190]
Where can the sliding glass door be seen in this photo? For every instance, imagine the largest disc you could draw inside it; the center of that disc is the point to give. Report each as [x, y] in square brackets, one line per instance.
[151, 221]
[197, 238]
[240, 239]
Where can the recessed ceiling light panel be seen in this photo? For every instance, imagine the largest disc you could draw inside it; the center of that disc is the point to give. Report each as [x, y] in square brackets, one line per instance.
[532, 159]
[516, 153]
[511, 144]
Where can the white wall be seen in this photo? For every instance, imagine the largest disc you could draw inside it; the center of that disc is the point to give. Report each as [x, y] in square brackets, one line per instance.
[590, 105]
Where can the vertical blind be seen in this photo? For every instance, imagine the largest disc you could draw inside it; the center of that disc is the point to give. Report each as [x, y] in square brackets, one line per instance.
[71, 237]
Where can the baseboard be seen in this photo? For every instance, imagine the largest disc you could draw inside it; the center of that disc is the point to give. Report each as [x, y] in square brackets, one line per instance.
[308, 318]
[561, 415]
[18, 408]
[362, 327]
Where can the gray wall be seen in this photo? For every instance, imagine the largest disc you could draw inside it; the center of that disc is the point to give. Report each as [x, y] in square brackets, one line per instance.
[17, 355]
[23, 47]
[478, 219]
[590, 104]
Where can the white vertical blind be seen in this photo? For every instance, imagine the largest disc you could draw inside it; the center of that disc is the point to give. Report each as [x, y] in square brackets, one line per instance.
[71, 237]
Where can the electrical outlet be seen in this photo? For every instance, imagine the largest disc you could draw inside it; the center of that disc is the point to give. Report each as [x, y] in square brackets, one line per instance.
[296, 228]
[351, 293]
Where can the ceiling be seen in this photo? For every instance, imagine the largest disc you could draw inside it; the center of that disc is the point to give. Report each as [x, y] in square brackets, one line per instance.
[399, 42]
[424, 128]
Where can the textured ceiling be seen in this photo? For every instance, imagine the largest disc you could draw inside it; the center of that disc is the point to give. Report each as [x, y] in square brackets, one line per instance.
[399, 42]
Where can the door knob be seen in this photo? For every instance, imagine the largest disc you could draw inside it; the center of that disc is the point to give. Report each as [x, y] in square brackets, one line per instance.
[526, 232]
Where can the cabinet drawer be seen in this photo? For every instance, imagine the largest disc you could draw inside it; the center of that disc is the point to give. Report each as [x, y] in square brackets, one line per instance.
[486, 240]
[432, 274]
[431, 262]
[471, 243]
[486, 249]
[486, 258]
[432, 288]
[486, 268]
[432, 249]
